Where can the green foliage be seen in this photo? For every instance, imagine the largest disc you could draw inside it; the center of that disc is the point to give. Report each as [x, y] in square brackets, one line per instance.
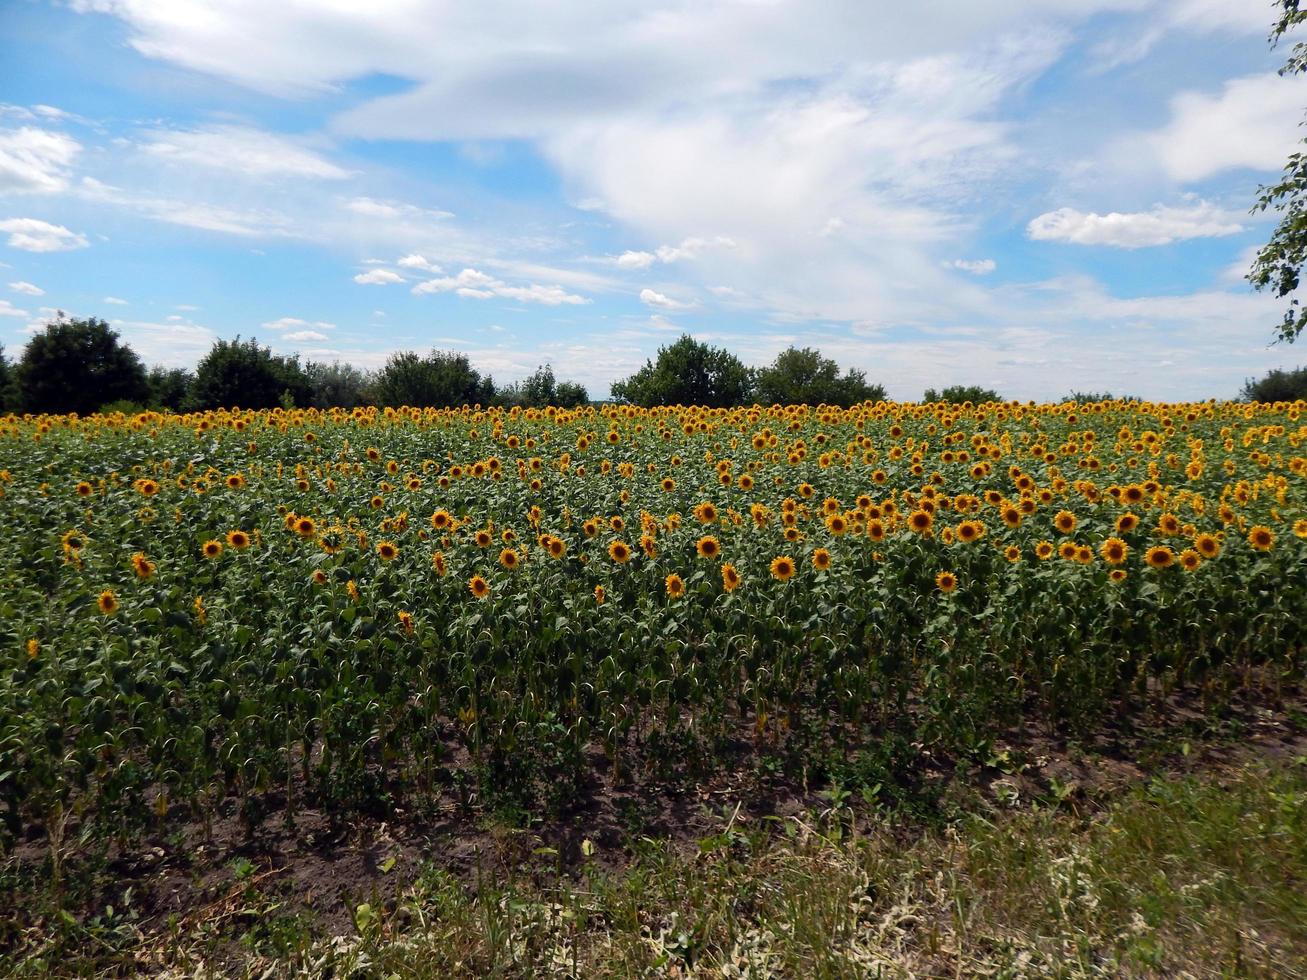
[958, 394]
[169, 387]
[1278, 266]
[442, 379]
[540, 389]
[689, 372]
[799, 377]
[7, 397]
[1090, 397]
[1277, 386]
[337, 385]
[247, 375]
[77, 366]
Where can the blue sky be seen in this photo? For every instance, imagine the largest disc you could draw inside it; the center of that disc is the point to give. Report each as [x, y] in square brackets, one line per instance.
[1034, 195]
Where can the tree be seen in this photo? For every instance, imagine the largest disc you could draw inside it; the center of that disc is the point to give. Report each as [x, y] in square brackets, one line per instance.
[246, 375]
[442, 379]
[540, 388]
[77, 366]
[689, 373]
[169, 387]
[1278, 266]
[957, 394]
[337, 385]
[805, 377]
[6, 382]
[1277, 386]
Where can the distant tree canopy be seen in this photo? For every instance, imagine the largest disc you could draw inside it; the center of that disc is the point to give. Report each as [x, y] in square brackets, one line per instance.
[337, 385]
[77, 366]
[169, 388]
[806, 377]
[541, 388]
[7, 396]
[441, 379]
[248, 375]
[957, 394]
[1096, 396]
[689, 372]
[1277, 386]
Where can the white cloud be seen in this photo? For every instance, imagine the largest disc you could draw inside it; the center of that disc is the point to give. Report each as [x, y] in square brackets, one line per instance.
[115, 301]
[415, 261]
[1160, 226]
[634, 260]
[8, 309]
[27, 288]
[190, 213]
[474, 284]
[34, 235]
[977, 267]
[305, 335]
[1252, 123]
[35, 161]
[292, 322]
[370, 207]
[243, 150]
[663, 302]
[377, 277]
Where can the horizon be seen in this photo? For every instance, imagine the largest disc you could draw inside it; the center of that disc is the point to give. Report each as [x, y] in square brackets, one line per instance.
[1038, 197]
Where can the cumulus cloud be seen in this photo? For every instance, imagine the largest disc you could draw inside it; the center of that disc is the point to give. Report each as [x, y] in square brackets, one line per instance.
[371, 207]
[243, 150]
[305, 335]
[35, 161]
[116, 301]
[8, 309]
[34, 235]
[474, 284]
[653, 298]
[1160, 226]
[378, 277]
[977, 267]
[690, 248]
[415, 261]
[27, 288]
[293, 322]
[1248, 124]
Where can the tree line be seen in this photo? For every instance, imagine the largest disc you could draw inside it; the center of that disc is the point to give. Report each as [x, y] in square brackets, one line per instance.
[82, 366]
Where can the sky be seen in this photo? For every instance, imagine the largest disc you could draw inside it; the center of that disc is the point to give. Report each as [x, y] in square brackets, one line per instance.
[1037, 196]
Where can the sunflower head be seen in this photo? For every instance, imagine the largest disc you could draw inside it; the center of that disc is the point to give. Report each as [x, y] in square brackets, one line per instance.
[708, 547]
[478, 586]
[1160, 556]
[821, 559]
[946, 582]
[675, 586]
[620, 552]
[211, 548]
[387, 550]
[107, 602]
[238, 539]
[730, 577]
[782, 568]
[1261, 537]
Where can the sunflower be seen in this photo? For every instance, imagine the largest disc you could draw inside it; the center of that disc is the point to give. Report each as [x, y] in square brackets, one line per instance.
[556, 547]
[969, 531]
[73, 540]
[1126, 523]
[1011, 516]
[675, 586]
[1117, 575]
[438, 563]
[304, 527]
[143, 567]
[946, 582]
[406, 621]
[84, 489]
[235, 481]
[1300, 527]
[1190, 559]
[616, 523]
[708, 547]
[620, 552]
[484, 538]
[211, 549]
[478, 586]
[1012, 553]
[599, 595]
[591, 528]
[146, 487]
[668, 484]
[1067, 550]
[921, 520]
[1044, 550]
[649, 545]
[238, 540]
[782, 568]
[1064, 521]
[387, 550]
[1114, 551]
[319, 577]
[836, 524]
[1261, 537]
[730, 577]
[706, 513]
[876, 530]
[821, 559]
[1160, 556]
[440, 520]
[1208, 545]
[508, 558]
[107, 602]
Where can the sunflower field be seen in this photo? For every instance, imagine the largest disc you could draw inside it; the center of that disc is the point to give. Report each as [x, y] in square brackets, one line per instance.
[352, 609]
